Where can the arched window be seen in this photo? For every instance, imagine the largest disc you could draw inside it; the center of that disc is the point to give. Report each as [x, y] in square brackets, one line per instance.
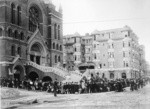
[9, 32]
[55, 58]
[55, 31]
[1, 32]
[34, 17]
[19, 51]
[59, 59]
[58, 32]
[12, 13]
[22, 36]
[60, 48]
[13, 50]
[53, 45]
[19, 15]
[57, 47]
[75, 57]
[124, 75]
[111, 75]
[16, 34]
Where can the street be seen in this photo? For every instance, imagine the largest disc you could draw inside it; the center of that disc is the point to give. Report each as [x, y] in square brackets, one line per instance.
[115, 100]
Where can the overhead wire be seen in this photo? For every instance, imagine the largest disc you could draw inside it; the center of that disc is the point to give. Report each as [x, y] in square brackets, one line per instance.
[109, 20]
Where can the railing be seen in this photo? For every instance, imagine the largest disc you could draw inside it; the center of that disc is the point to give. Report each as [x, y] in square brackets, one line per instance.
[59, 71]
[15, 59]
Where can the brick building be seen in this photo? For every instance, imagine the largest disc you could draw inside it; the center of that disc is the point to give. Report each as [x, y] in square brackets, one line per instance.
[30, 40]
[112, 53]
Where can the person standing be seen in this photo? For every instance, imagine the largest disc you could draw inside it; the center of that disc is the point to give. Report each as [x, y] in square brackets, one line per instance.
[55, 87]
[97, 80]
[93, 84]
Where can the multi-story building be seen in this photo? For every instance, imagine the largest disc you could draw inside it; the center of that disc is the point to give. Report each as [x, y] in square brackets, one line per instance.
[73, 51]
[31, 42]
[112, 53]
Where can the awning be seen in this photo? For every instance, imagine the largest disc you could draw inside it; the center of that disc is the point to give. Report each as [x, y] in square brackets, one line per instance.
[87, 64]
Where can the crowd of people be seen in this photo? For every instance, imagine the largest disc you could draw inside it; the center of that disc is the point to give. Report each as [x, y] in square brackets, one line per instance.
[96, 85]
[93, 85]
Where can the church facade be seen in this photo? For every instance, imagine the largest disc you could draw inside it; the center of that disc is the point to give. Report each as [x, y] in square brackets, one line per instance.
[30, 40]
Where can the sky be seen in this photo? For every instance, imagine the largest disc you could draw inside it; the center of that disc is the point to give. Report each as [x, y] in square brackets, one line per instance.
[85, 16]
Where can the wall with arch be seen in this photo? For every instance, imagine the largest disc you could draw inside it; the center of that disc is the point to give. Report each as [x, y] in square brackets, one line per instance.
[42, 74]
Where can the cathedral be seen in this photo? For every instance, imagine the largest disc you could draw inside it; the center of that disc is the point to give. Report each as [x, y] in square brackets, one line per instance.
[31, 40]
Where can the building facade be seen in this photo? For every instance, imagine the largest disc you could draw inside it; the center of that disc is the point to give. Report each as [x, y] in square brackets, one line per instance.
[113, 54]
[31, 42]
[73, 51]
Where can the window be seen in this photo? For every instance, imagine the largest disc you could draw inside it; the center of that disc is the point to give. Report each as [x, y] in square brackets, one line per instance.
[94, 56]
[53, 45]
[12, 13]
[94, 37]
[9, 33]
[19, 15]
[34, 17]
[22, 36]
[55, 59]
[111, 75]
[16, 34]
[88, 50]
[13, 50]
[60, 48]
[127, 65]
[75, 49]
[128, 33]
[112, 45]
[110, 54]
[124, 64]
[129, 44]
[123, 54]
[57, 47]
[75, 58]
[89, 58]
[55, 31]
[59, 59]
[100, 65]
[58, 32]
[49, 32]
[1, 32]
[19, 51]
[124, 75]
[123, 44]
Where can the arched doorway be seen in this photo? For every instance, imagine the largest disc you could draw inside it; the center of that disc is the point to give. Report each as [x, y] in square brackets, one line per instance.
[33, 75]
[47, 79]
[111, 75]
[18, 72]
[36, 53]
[124, 75]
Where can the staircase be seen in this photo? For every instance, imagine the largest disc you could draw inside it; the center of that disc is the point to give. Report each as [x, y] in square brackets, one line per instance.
[77, 72]
[57, 70]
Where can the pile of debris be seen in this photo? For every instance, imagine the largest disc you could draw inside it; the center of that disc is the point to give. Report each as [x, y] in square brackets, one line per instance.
[9, 93]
